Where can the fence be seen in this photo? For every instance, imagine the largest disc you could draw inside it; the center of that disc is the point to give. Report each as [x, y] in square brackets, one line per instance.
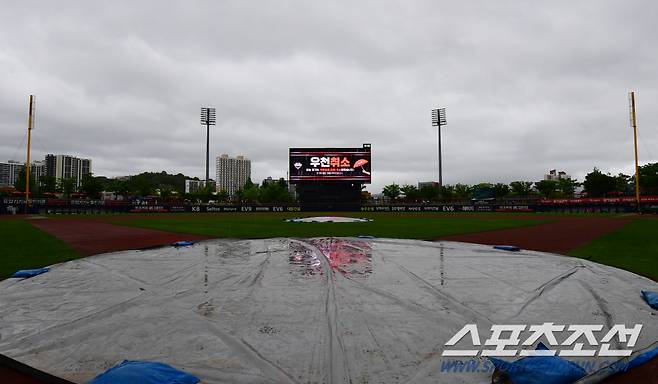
[58, 206]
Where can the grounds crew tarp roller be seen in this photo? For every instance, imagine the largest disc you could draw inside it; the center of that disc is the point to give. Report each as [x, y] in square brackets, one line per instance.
[333, 310]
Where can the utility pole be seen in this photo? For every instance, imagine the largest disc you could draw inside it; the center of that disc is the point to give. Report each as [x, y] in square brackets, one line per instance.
[637, 170]
[439, 120]
[208, 119]
[30, 124]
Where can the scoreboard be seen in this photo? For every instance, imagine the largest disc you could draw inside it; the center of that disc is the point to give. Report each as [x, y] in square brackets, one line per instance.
[330, 164]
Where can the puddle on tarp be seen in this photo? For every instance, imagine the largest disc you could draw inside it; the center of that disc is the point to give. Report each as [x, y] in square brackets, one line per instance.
[352, 258]
[323, 310]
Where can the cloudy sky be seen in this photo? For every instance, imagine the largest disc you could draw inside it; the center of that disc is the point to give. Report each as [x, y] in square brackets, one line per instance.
[528, 85]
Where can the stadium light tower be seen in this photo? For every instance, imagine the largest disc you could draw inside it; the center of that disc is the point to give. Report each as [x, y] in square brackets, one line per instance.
[208, 118]
[439, 120]
[30, 125]
[631, 101]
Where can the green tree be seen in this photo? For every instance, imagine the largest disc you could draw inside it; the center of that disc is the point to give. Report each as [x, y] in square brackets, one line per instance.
[67, 186]
[91, 186]
[428, 193]
[410, 193]
[274, 192]
[119, 187]
[146, 183]
[250, 194]
[204, 193]
[446, 192]
[141, 184]
[223, 196]
[48, 184]
[462, 191]
[649, 179]
[567, 187]
[521, 188]
[167, 192]
[598, 184]
[269, 193]
[20, 183]
[547, 188]
[501, 190]
[624, 184]
[392, 191]
[237, 197]
[249, 184]
[284, 192]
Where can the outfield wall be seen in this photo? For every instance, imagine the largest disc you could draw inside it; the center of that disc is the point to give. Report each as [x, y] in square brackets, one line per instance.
[56, 206]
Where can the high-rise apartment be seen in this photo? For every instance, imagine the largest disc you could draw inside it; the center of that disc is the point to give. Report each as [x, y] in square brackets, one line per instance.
[232, 173]
[67, 167]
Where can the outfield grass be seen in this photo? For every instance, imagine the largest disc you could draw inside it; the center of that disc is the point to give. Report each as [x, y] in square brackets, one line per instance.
[634, 248]
[24, 246]
[263, 225]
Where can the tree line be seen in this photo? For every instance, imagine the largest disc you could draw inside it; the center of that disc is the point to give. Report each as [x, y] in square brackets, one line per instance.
[143, 184]
[166, 187]
[595, 184]
[170, 187]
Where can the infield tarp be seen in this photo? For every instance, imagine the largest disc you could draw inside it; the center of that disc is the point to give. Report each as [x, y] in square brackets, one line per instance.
[320, 310]
[328, 219]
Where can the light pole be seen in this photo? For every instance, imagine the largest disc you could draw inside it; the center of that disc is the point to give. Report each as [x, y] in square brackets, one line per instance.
[637, 172]
[439, 120]
[208, 119]
[30, 125]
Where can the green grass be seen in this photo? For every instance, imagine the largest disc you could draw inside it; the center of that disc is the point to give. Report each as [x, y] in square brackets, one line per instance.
[634, 248]
[262, 225]
[24, 246]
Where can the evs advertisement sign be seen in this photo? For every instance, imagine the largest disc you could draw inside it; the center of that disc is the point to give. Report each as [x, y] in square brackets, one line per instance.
[330, 164]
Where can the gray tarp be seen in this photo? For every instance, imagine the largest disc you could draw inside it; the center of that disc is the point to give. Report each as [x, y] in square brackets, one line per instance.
[328, 219]
[322, 310]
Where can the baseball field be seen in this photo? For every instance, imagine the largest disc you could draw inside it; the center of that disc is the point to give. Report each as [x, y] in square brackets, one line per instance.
[629, 242]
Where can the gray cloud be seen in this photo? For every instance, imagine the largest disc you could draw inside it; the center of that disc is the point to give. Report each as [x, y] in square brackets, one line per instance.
[528, 86]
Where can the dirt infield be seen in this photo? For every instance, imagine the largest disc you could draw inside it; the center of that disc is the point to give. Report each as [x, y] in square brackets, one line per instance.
[561, 235]
[91, 237]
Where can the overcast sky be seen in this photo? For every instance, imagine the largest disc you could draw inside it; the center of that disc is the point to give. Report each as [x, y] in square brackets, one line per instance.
[528, 86]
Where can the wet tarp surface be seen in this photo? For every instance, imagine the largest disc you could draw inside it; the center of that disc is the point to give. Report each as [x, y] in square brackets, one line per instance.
[326, 310]
[328, 219]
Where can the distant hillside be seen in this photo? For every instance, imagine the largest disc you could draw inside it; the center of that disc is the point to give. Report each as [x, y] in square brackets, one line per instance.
[147, 182]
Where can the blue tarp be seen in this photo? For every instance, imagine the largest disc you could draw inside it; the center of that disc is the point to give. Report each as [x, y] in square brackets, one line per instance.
[182, 243]
[144, 372]
[624, 365]
[511, 248]
[651, 298]
[643, 358]
[26, 273]
[540, 369]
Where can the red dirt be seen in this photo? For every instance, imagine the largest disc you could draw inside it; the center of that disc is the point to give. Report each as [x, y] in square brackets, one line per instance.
[560, 236]
[644, 374]
[91, 237]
